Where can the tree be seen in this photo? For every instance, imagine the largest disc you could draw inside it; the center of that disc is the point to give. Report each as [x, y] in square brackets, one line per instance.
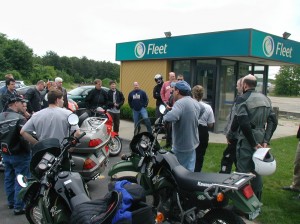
[287, 81]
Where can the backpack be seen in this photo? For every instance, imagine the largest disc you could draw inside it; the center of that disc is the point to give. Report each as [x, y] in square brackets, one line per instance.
[123, 204]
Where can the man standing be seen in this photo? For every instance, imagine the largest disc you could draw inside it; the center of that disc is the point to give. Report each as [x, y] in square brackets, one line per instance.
[138, 102]
[184, 117]
[257, 123]
[229, 154]
[9, 92]
[156, 93]
[51, 122]
[166, 88]
[205, 122]
[96, 97]
[115, 101]
[15, 152]
[34, 97]
[58, 83]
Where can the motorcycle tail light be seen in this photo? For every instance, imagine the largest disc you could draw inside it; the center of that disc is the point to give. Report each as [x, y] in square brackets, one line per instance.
[89, 164]
[159, 218]
[248, 191]
[220, 197]
[95, 142]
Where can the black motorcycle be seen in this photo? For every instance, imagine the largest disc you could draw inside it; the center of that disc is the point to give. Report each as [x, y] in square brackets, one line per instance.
[54, 191]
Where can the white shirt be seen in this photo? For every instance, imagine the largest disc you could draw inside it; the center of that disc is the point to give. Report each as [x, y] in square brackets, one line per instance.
[208, 115]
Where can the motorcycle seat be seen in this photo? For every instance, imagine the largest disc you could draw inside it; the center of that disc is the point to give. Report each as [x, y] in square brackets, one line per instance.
[198, 181]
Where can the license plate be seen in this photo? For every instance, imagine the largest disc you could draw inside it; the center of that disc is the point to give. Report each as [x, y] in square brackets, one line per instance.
[254, 214]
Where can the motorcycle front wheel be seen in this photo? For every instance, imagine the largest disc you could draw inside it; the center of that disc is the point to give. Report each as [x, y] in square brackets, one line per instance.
[33, 213]
[115, 146]
[222, 216]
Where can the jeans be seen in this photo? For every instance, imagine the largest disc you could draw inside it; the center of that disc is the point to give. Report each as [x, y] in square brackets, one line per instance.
[201, 149]
[187, 159]
[143, 112]
[116, 120]
[14, 165]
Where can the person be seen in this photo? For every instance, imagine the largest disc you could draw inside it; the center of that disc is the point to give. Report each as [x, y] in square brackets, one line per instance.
[184, 117]
[4, 88]
[156, 93]
[205, 122]
[9, 92]
[180, 77]
[97, 97]
[24, 111]
[115, 100]
[51, 122]
[15, 152]
[168, 125]
[138, 102]
[229, 154]
[295, 186]
[34, 97]
[58, 83]
[166, 88]
[256, 122]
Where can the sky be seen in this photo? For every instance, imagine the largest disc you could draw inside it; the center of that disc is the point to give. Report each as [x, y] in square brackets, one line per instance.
[92, 28]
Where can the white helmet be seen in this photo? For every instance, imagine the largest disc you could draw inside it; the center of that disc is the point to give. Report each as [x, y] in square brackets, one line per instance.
[264, 162]
[158, 78]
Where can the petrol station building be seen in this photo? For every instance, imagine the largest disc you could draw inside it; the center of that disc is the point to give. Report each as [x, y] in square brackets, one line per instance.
[214, 60]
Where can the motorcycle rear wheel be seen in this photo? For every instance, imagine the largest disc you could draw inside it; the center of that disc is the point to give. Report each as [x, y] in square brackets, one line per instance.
[222, 216]
[115, 146]
[33, 213]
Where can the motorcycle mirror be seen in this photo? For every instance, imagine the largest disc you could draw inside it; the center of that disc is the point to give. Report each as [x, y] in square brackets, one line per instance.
[22, 180]
[162, 109]
[73, 119]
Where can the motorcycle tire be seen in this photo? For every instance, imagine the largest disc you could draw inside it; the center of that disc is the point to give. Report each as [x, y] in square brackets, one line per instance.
[223, 216]
[33, 213]
[115, 146]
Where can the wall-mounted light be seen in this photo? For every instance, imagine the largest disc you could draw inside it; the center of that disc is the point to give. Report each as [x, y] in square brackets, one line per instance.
[168, 34]
[286, 35]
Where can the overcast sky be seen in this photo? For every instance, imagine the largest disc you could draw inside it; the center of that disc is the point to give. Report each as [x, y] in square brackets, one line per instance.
[92, 28]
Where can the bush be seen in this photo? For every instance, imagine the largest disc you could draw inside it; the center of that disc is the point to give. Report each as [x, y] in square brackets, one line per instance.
[126, 112]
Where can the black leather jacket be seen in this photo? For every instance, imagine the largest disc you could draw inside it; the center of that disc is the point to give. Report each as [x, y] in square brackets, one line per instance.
[12, 142]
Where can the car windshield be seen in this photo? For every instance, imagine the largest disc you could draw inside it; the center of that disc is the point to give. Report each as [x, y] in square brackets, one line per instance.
[76, 91]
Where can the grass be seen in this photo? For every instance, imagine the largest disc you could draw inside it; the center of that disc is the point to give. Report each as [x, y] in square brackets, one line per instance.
[279, 205]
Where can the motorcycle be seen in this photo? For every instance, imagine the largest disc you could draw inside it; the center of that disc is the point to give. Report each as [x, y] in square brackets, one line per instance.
[182, 196]
[90, 156]
[54, 191]
[115, 143]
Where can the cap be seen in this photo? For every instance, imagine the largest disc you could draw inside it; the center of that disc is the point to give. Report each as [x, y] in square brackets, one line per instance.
[13, 99]
[183, 86]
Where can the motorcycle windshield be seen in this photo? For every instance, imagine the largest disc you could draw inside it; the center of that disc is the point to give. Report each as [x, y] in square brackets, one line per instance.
[144, 137]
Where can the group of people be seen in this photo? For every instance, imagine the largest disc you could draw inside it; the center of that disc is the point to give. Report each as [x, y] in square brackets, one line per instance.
[251, 124]
[47, 117]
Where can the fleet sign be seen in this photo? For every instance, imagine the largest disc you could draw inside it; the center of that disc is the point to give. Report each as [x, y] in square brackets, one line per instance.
[273, 47]
[235, 43]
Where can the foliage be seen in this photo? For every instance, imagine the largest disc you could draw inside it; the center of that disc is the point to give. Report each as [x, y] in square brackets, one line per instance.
[287, 81]
[126, 112]
[18, 59]
[279, 206]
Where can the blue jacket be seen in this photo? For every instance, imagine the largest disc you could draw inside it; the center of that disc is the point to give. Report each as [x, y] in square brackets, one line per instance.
[138, 99]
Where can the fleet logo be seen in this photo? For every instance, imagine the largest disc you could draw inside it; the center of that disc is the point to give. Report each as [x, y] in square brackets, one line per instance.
[152, 49]
[268, 46]
[281, 50]
[140, 50]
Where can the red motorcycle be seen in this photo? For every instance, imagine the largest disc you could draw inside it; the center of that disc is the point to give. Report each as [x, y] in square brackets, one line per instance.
[115, 143]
